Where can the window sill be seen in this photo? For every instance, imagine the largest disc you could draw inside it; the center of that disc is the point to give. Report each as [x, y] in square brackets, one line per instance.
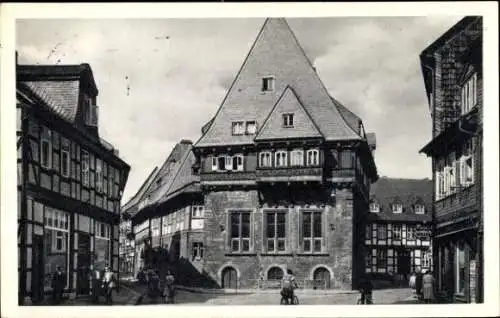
[276, 254]
[312, 254]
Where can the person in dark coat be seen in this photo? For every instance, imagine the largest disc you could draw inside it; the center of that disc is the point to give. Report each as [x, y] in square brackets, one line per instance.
[366, 289]
[58, 284]
[418, 283]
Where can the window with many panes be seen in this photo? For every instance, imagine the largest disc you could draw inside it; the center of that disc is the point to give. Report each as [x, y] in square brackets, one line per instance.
[313, 157]
[312, 231]
[281, 158]
[46, 148]
[198, 211]
[240, 231]
[98, 175]
[396, 232]
[85, 168]
[265, 159]
[381, 258]
[297, 157]
[238, 128]
[397, 208]
[197, 251]
[382, 231]
[65, 158]
[275, 231]
[469, 94]
[346, 159]
[368, 232]
[287, 120]
[410, 232]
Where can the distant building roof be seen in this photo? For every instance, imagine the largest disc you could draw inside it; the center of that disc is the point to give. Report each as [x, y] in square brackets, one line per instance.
[131, 206]
[408, 192]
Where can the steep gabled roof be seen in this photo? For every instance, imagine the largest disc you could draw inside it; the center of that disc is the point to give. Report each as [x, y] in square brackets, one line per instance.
[277, 53]
[408, 192]
[303, 125]
[131, 205]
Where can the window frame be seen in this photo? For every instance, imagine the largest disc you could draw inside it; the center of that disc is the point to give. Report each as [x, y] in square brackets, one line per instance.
[85, 168]
[198, 208]
[372, 209]
[269, 157]
[399, 230]
[313, 239]
[288, 120]
[276, 239]
[197, 251]
[419, 209]
[235, 124]
[294, 154]
[240, 238]
[397, 208]
[248, 124]
[239, 162]
[382, 258]
[99, 176]
[48, 141]
[468, 94]
[413, 231]
[266, 80]
[312, 151]
[284, 154]
[382, 229]
[65, 158]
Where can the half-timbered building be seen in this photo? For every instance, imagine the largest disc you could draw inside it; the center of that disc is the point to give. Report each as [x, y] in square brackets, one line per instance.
[70, 181]
[452, 70]
[398, 228]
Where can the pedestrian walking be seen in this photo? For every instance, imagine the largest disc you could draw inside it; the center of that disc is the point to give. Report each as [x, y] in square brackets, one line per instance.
[366, 289]
[169, 288]
[413, 278]
[418, 283]
[96, 284]
[108, 283]
[58, 285]
[428, 287]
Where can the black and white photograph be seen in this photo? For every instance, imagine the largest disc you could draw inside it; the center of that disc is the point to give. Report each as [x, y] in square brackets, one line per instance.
[169, 162]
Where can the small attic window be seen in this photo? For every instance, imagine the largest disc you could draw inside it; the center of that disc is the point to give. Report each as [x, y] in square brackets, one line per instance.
[374, 207]
[251, 128]
[237, 128]
[419, 209]
[268, 84]
[288, 120]
[397, 208]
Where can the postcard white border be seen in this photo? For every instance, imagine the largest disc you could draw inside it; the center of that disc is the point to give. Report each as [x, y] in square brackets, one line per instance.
[11, 12]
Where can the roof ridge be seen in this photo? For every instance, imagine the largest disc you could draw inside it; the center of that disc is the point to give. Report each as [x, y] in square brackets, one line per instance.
[234, 81]
[338, 104]
[143, 185]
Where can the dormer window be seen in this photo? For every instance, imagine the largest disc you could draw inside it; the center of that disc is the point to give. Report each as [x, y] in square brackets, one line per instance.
[469, 94]
[268, 84]
[374, 207]
[397, 208]
[238, 128]
[287, 120]
[251, 128]
[90, 113]
[419, 209]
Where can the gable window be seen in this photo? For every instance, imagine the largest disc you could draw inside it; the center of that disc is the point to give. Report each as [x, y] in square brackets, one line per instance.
[198, 211]
[281, 158]
[65, 159]
[251, 128]
[469, 94]
[312, 231]
[90, 111]
[197, 252]
[287, 120]
[374, 207]
[238, 128]
[265, 159]
[85, 168]
[275, 231]
[46, 153]
[98, 175]
[397, 208]
[396, 232]
[382, 232]
[297, 157]
[419, 209]
[268, 84]
[237, 162]
[240, 231]
[313, 157]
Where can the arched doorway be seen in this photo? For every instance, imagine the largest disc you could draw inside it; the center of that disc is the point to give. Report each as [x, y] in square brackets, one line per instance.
[321, 278]
[229, 278]
[275, 273]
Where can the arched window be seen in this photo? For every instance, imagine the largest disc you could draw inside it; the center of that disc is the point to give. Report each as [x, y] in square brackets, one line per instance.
[275, 273]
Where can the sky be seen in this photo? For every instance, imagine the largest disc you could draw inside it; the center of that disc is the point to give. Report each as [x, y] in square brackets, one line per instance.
[161, 80]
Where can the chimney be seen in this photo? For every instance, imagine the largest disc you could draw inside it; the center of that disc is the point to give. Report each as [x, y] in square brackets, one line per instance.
[186, 142]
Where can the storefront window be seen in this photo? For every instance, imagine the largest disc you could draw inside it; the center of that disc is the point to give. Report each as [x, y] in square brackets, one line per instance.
[460, 269]
[56, 242]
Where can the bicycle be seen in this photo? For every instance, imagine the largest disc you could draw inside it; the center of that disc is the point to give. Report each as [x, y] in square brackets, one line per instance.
[295, 300]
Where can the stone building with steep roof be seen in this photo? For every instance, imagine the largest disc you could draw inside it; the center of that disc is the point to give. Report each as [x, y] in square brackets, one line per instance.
[70, 181]
[398, 228]
[285, 171]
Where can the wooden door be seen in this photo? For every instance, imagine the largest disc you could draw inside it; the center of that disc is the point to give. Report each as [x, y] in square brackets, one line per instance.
[322, 277]
[83, 264]
[229, 278]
